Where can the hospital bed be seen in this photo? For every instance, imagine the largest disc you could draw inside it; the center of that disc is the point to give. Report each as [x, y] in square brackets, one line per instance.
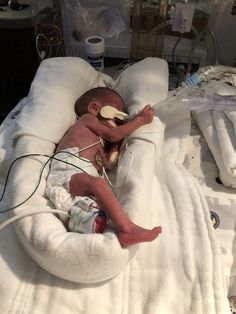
[166, 176]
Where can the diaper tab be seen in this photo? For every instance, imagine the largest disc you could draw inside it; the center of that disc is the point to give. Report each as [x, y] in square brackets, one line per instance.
[86, 203]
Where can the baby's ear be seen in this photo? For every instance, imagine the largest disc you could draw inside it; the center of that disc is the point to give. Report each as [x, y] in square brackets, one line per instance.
[93, 107]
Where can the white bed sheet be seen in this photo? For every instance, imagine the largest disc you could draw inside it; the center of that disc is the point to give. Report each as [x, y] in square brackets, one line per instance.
[221, 200]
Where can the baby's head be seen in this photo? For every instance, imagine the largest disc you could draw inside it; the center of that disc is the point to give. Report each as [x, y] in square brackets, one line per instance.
[94, 99]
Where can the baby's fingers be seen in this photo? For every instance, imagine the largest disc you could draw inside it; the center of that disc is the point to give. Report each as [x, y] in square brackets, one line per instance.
[147, 107]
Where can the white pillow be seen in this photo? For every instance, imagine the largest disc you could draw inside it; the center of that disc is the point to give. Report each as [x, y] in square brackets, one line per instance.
[57, 85]
[143, 83]
[43, 121]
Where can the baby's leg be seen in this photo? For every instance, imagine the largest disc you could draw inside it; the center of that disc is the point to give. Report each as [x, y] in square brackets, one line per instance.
[83, 184]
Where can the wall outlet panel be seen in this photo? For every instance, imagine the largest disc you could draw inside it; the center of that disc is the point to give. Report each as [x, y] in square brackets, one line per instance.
[183, 17]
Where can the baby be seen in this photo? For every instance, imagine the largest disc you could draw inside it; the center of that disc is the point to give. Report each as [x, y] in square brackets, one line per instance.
[83, 145]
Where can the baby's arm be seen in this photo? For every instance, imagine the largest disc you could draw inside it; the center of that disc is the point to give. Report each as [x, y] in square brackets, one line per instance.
[121, 131]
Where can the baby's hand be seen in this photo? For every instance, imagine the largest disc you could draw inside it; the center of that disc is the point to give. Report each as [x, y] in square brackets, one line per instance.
[147, 114]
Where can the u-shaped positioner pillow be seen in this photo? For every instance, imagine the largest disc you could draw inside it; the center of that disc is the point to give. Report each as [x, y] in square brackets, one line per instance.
[48, 113]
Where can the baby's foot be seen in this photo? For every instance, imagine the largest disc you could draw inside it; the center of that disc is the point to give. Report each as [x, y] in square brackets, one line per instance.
[135, 234]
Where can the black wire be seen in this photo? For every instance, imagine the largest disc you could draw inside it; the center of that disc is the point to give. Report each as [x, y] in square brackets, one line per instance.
[40, 175]
[173, 51]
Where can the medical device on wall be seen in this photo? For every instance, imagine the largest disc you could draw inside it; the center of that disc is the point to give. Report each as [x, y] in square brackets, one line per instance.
[183, 17]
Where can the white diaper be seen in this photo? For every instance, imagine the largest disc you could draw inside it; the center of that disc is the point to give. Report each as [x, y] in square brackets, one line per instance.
[57, 189]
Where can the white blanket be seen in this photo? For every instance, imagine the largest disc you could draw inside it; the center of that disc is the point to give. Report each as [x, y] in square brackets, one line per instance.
[180, 272]
[221, 201]
[219, 130]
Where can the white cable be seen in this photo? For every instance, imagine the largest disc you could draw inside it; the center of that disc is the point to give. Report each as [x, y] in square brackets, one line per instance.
[106, 177]
[87, 147]
[30, 213]
[37, 46]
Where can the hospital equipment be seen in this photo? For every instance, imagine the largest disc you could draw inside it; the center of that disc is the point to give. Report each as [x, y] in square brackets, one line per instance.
[202, 90]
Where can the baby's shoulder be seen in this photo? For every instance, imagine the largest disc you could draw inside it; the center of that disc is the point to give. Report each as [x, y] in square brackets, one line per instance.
[87, 118]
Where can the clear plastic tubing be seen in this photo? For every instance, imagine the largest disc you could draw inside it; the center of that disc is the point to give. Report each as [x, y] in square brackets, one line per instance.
[192, 96]
[203, 102]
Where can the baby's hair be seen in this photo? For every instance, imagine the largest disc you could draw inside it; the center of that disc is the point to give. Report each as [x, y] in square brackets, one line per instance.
[97, 93]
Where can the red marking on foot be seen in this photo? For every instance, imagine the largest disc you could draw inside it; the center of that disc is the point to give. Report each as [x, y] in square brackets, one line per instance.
[100, 224]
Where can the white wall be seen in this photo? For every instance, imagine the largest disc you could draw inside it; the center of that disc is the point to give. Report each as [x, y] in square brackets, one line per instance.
[224, 26]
